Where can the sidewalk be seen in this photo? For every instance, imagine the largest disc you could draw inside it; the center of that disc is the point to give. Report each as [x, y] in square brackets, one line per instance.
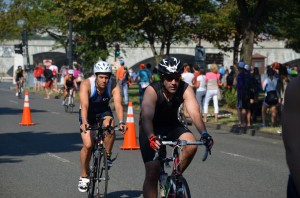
[239, 131]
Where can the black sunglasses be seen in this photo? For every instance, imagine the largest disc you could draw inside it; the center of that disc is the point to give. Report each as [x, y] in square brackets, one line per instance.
[171, 78]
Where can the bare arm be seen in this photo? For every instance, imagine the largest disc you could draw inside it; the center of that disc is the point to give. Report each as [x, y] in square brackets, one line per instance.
[290, 129]
[193, 109]
[84, 102]
[117, 95]
[148, 110]
[75, 83]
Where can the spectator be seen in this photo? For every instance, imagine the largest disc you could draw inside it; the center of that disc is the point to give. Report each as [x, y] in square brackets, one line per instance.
[38, 73]
[244, 94]
[148, 67]
[63, 72]
[201, 88]
[120, 75]
[212, 81]
[224, 77]
[143, 78]
[291, 136]
[156, 76]
[196, 74]
[54, 70]
[132, 75]
[221, 71]
[255, 107]
[48, 82]
[78, 75]
[126, 80]
[230, 78]
[187, 76]
[271, 97]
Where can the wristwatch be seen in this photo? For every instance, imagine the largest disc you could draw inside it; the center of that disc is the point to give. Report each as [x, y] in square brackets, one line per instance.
[121, 122]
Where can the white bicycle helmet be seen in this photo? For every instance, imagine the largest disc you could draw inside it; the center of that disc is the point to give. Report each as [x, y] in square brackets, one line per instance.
[102, 67]
[71, 71]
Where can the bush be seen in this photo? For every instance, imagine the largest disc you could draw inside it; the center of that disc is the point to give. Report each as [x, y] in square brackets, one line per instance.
[230, 97]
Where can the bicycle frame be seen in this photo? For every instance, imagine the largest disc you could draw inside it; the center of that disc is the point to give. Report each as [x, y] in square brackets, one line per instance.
[176, 185]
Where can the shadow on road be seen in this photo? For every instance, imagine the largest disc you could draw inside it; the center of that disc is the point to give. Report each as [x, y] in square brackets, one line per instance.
[20, 144]
[13, 111]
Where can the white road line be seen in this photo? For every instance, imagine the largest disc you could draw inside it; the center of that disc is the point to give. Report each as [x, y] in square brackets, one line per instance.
[58, 158]
[54, 112]
[241, 156]
[12, 101]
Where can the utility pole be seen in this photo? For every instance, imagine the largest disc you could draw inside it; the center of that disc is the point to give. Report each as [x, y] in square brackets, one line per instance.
[70, 41]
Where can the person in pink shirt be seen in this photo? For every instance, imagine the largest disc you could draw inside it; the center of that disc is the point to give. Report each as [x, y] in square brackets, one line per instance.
[212, 81]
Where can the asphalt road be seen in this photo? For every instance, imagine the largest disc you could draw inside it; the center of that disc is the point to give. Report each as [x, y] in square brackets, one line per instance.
[43, 160]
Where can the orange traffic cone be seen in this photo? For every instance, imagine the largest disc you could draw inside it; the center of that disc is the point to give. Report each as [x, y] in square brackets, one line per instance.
[26, 119]
[130, 136]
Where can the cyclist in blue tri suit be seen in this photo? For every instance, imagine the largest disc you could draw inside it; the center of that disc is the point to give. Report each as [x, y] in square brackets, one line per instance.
[159, 117]
[95, 94]
[20, 76]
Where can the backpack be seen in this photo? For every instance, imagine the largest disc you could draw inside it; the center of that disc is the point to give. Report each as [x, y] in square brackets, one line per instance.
[48, 74]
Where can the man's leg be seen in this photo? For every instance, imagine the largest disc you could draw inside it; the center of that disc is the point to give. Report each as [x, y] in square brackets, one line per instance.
[151, 179]
[85, 156]
[188, 151]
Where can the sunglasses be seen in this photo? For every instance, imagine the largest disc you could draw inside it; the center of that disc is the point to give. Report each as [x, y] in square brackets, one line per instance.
[171, 78]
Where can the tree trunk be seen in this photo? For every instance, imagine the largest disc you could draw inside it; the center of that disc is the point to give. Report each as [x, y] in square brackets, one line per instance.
[247, 45]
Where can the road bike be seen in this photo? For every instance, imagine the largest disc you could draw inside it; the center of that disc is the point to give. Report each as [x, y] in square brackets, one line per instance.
[98, 172]
[69, 101]
[174, 185]
[20, 88]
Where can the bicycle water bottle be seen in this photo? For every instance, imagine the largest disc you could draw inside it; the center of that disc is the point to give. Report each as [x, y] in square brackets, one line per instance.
[163, 179]
[96, 153]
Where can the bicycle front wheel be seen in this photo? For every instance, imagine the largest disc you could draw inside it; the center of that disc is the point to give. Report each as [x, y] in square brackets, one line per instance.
[93, 176]
[102, 175]
[178, 188]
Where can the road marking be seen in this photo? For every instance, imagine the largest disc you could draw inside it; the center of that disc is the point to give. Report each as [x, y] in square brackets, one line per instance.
[241, 156]
[58, 158]
[12, 101]
[54, 112]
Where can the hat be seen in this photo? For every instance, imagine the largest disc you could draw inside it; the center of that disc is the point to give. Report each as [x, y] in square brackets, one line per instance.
[241, 64]
[122, 62]
[142, 66]
[247, 67]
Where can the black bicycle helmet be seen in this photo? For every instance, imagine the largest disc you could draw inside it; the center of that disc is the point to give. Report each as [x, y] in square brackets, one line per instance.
[170, 66]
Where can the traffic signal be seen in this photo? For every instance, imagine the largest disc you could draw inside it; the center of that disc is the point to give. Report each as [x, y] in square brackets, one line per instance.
[117, 50]
[200, 53]
[18, 48]
[24, 37]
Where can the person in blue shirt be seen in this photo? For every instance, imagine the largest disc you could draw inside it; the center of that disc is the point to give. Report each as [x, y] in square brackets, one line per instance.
[144, 79]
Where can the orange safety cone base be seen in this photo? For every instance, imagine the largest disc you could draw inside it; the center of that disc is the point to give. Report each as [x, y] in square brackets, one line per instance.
[26, 117]
[130, 136]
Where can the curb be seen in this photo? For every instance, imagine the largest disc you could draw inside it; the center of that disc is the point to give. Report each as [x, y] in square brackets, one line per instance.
[240, 131]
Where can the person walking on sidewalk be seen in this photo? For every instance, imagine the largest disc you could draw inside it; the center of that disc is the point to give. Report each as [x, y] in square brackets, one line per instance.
[95, 94]
[159, 117]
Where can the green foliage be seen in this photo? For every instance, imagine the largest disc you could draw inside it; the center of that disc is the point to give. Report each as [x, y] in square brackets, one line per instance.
[230, 96]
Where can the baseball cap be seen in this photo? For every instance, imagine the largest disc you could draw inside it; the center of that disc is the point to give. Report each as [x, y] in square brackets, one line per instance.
[247, 67]
[122, 62]
[241, 64]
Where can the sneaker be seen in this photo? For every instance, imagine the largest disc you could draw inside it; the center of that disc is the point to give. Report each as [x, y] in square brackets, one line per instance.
[109, 162]
[83, 184]
[17, 94]
[63, 103]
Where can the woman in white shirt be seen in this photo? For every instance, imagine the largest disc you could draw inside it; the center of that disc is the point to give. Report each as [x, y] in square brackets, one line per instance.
[201, 88]
[270, 85]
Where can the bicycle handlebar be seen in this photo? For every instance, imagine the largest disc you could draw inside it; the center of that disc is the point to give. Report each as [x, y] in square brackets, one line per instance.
[181, 143]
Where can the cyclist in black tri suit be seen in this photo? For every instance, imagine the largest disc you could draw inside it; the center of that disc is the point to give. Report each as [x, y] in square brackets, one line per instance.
[20, 76]
[159, 117]
[95, 94]
[69, 84]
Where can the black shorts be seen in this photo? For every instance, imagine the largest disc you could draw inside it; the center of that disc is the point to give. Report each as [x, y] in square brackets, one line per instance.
[171, 132]
[93, 121]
